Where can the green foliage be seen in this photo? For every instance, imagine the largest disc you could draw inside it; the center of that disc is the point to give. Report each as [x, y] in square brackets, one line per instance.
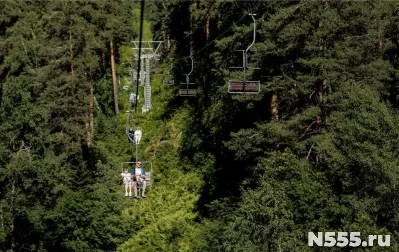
[287, 202]
[136, 26]
[48, 52]
[89, 222]
[166, 220]
[230, 173]
[361, 153]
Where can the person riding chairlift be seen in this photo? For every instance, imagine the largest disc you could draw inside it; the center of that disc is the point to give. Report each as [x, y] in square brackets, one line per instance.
[138, 176]
[127, 182]
[132, 99]
[131, 136]
[137, 135]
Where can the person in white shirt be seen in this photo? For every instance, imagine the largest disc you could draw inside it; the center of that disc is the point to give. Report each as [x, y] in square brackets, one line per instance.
[138, 175]
[137, 135]
[127, 182]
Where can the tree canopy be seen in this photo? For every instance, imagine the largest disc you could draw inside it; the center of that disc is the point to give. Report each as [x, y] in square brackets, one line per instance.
[314, 151]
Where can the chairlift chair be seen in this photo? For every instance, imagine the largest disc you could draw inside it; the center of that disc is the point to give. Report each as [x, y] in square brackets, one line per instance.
[133, 74]
[187, 91]
[169, 81]
[148, 174]
[130, 125]
[244, 86]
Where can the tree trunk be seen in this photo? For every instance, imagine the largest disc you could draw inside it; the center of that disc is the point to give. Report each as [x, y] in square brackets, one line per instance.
[322, 92]
[324, 83]
[207, 29]
[165, 34]
[165, 41]
[274, 113]
[111, 44]
[90, 124]
[323, 48]
[72, 68]
[380, 38]
[12, 214]
[71, 58]
[169, 44]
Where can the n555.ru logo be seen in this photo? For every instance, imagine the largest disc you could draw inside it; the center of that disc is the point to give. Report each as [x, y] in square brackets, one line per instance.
[343, 239]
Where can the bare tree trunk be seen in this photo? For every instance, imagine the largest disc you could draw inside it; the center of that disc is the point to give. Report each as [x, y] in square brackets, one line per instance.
[323, 49]
[165, 35]
[274, 113]
[207, 28]
[165, 39]
[1, 215]
[324, 83]
[169, 44]
[380, 38]
[322, 92]
[72, 68]
[90, 124]
[111, 44]
[12, 214]
[71, 58]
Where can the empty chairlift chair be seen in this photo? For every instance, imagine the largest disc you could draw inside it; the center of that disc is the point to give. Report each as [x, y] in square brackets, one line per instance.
[244, 86]
[188, 91]
[169, 80]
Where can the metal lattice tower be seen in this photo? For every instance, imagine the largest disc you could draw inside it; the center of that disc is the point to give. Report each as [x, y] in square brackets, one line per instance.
[149, 51]
[142, 73]
[147, 88]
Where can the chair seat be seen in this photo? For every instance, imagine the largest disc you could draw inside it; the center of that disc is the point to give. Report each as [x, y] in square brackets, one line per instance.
[187, 92]
[244, 87]
[168, 82]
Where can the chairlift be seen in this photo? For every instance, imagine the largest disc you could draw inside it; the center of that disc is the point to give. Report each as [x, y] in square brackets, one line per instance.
[187, 91]
[245, 86]
[130, 125]
[169, 81]
[148, 174]
[137, 135]
[133, 74]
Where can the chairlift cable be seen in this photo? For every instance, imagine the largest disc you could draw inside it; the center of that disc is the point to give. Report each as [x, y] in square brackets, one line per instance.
[234, 23]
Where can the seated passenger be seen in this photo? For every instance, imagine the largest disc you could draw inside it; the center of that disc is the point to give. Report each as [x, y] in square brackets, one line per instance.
[127, 182]
[138, 175]
[131, 136]
[132, 99]
[137, 135]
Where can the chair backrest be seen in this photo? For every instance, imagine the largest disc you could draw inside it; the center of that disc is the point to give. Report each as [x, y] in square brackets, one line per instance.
[168, 82]
[148, 179]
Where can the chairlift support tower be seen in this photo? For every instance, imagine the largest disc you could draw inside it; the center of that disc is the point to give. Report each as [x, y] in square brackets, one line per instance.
[149, 51]
[245, 86]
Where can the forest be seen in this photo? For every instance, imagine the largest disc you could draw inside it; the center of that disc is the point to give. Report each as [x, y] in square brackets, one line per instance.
[314, 150]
